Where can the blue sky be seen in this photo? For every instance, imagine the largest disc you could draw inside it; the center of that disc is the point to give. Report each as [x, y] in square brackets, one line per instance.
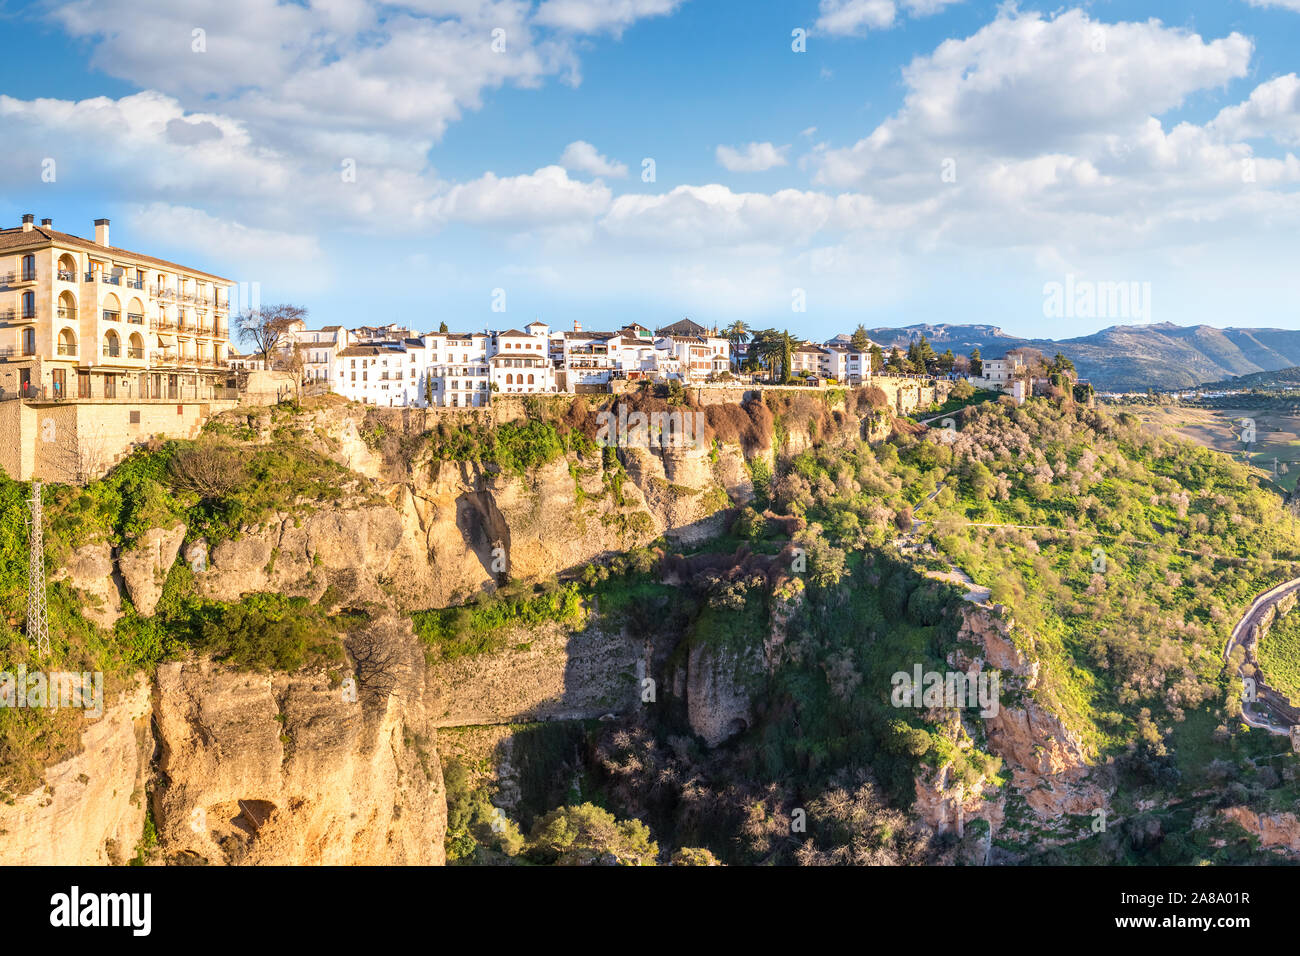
[921, 161]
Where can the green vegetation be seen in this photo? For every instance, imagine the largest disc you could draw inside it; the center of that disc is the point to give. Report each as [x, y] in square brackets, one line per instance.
[480, 626]
[1279, 655]
[582, 834]
[517, 448]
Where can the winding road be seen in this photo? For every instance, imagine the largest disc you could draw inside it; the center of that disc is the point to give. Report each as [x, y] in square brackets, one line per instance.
[1269, 706]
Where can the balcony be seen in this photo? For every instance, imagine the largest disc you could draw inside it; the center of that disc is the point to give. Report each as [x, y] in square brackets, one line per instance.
[112, 351]
[162, 323]
[14, 279]
[70, 350]
[69, 314]
[135, 283]
[135, 318]
[112, 316]
[134, 353]
[103, 277]
[66, 275]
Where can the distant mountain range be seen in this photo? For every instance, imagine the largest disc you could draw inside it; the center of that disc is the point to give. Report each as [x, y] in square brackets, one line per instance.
[1128, 357]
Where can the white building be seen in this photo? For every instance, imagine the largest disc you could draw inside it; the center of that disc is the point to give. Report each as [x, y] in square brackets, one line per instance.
[845, 364]
[380, 373]
[997, 373]
[701, 352]
[456, 371]
[520, 362]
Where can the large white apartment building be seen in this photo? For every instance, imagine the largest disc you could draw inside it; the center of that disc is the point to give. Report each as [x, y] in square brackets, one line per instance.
[82, 319]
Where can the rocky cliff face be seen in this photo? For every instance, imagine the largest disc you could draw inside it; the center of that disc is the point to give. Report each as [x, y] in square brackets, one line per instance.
[250, 769]
[546, 673]
[288, 769]
[1279, 832]
[90, 810]
[1048, 763]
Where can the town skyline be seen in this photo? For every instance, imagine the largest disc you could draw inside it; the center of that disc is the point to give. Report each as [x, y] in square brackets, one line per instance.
[664, 158]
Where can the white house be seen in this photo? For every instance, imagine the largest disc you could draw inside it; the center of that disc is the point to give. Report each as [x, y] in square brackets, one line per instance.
[520, 362]
[845, 364]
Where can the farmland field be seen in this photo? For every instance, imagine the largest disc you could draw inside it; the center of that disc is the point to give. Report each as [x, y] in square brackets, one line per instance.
[1277, 434]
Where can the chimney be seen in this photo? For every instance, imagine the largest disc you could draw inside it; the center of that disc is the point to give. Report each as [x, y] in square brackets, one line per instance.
[47, 223]
[28, 220]
[101, 232]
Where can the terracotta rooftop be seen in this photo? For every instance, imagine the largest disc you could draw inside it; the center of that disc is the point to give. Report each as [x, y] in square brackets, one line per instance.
[40, 236]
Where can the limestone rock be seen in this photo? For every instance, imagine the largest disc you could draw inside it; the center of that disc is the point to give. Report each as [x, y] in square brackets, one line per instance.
[144, 568]
[90, 569]
[90, 810]
[323, 779]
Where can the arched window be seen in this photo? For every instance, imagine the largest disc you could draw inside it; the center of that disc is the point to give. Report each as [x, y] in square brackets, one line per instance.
[530, 378]
[135, 348]
[112, 309]
[29, 341]
[29, 267]
[29, 305]
[112, 348]
[67, 342]
[510, 379]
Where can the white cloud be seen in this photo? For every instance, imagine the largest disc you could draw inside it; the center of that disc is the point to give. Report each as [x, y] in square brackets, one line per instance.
[1272, 111]
[752, 158]
[699, 216]
[1025, 84]
[925, 8]
[544, 198]
[581, 156]
[595, 16]
[211, 238]
[854, 17]
[1284, 4]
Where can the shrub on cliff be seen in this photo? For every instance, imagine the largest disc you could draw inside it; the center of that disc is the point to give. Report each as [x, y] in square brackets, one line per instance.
[586, 835]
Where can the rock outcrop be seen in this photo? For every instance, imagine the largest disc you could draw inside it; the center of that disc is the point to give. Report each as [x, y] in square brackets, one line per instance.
[144, 567]
[90, 569]
[1277, 831]
[90, 809]
[290, 769]
[1049, 763]
[545, 673]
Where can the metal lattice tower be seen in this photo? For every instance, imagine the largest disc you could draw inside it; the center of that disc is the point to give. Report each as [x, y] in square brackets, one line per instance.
[38, 625]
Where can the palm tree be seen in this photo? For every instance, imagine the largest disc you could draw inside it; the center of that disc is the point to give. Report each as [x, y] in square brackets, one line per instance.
[765, 350]
[736, 333]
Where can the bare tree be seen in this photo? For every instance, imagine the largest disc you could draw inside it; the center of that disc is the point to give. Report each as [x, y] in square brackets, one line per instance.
[266, 328]
[209, 467]
[292, 361]
[375, 661]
